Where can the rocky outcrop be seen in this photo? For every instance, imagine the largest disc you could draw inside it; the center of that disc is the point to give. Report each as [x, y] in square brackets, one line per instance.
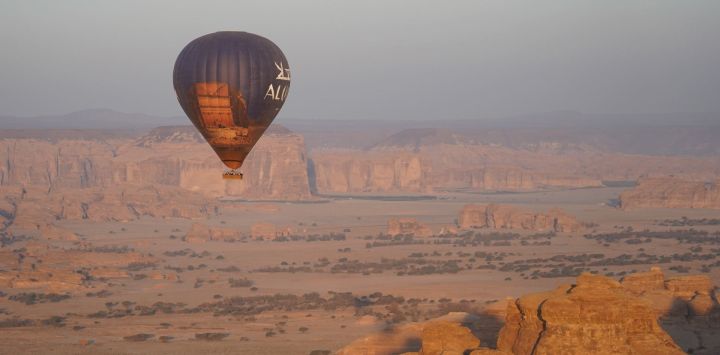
[407, 226]
[595, 316]
[509, 217]
[39, 265]
[671, 192]
[444, 337]
[200, 233]
[48, 279]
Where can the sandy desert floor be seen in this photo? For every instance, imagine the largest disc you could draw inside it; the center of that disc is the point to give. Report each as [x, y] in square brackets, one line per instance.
[460, 271]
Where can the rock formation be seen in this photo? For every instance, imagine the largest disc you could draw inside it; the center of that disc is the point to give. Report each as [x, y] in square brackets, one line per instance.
[413, 161]
[446, 338]
[445, 335]
[39, 265]
[671, 192]
[48, 279]
[643, 314]
[373, 172]
[200, 233]
[509, 217]
[407, 226]
[167, 156]
[597, 315]
[419, 160]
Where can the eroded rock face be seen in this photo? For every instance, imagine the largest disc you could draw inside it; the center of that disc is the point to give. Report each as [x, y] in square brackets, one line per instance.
[374, 172]
[509, 217]
[167, 156]
[418, 160]
[596, 316]
[671, 192]
[642, 282]
[407, 226]
[442, 337]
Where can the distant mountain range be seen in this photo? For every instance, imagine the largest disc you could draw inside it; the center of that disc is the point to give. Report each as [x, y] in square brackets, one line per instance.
[90, 119]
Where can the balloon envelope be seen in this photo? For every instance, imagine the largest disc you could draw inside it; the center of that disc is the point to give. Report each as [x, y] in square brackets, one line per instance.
[231, 85]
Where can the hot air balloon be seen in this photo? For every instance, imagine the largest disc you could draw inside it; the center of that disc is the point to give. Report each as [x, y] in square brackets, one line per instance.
[231, 85]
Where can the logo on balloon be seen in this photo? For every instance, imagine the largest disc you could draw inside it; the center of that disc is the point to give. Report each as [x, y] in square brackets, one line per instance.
[279, 92]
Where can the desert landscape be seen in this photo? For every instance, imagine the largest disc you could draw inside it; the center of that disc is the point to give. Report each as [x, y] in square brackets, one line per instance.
[423, 241]
[397, 177]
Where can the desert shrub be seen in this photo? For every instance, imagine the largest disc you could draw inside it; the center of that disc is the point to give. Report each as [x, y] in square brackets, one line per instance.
[16, 322]
[101, 294]
[54, 321]
[211, 336]
[244, 282]
[139, 337]
[30, 298]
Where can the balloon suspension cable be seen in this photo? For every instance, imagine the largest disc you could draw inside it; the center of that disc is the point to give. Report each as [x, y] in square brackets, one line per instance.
[232, 174]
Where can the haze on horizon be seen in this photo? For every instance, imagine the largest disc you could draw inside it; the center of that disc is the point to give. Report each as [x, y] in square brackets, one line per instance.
[375, 59]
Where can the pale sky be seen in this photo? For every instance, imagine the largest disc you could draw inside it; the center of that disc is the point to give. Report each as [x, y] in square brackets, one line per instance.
[375, 59]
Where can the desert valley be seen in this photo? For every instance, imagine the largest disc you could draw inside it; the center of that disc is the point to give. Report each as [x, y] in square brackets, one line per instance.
[348, 239]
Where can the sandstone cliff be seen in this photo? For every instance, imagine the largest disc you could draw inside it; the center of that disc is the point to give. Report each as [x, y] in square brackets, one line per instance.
[375, 172]
[645, 313]
[509, 217]
[418, 160]
[413, 161]
[595, 316]
[171, 156]
[671, 192]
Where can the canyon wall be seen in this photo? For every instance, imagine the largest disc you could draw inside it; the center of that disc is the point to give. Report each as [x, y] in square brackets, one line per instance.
[672, 192]
[422, 160]
[413, 161]
[169, 156]
[374, 172]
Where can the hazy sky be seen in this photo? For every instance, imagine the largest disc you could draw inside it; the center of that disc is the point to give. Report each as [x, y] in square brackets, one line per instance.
[375, 59]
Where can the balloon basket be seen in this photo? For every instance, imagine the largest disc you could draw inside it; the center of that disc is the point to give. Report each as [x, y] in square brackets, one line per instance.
[232, 175]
